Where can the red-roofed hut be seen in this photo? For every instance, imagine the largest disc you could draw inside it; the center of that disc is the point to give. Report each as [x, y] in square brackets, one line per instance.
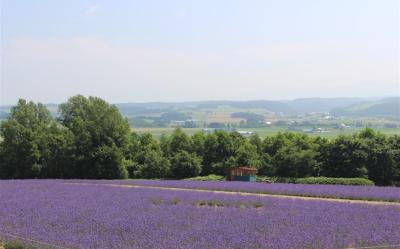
[242, 173]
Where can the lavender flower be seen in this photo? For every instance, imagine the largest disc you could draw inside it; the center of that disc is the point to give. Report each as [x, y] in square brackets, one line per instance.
[103, 216]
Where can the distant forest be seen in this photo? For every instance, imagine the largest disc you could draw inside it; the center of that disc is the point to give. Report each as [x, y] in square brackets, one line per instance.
[89, 138]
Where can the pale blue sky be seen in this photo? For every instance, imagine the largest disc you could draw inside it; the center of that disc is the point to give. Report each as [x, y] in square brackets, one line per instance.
[133, 51]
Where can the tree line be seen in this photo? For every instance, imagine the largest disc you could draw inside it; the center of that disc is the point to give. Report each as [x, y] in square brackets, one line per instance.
[90, 139]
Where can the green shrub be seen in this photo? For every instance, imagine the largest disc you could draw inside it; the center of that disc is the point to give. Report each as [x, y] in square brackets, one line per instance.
[335, 181]
[279, 179]
[266, 179]
[276, 179]
[16, 245]
[211, 177]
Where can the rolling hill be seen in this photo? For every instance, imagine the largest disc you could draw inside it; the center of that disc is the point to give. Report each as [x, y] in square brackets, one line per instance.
[351, 107]
[383, 107]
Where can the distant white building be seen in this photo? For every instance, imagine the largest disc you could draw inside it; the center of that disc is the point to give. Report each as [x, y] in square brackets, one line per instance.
[245, 133]
[177, 123]
[344, 126]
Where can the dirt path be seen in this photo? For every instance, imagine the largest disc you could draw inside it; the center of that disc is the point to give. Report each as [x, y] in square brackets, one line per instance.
[246, 193]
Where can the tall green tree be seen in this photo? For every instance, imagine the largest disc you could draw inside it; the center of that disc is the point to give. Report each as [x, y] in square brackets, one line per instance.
[155, 165]
[394, 144]
[382, 156]
[346, 157]
[290, 155]
[256, 141]
[198, 141]
[185, 164]
[57, 152]
[246, 155]
[148, 160]
[146, 144]
[218, 150]
[29, 136]
[180, 141]
[291, 161]
[101, 137]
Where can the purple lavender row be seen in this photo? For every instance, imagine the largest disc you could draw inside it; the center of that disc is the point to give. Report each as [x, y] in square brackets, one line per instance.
[372, 193]
[97, 216]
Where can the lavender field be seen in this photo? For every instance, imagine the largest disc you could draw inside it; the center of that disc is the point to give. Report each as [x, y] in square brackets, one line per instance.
[57, 214]
[373, 193]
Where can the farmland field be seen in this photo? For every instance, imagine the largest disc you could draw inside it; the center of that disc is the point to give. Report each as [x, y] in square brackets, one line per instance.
[266, 131]
[84, 214]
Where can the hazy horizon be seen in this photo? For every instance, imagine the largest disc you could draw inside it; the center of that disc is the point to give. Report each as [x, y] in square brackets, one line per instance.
[362, 99]
[176, 51]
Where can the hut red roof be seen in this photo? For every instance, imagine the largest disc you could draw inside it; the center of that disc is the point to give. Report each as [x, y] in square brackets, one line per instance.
[245, 168]
[240, 171]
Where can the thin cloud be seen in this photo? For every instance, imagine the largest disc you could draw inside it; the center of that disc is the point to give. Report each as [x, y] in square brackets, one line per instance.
[92, 10]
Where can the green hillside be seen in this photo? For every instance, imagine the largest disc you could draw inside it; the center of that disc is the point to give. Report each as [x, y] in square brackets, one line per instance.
[385, 107]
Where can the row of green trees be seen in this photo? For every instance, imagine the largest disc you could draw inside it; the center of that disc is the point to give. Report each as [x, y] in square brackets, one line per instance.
[90, 139]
